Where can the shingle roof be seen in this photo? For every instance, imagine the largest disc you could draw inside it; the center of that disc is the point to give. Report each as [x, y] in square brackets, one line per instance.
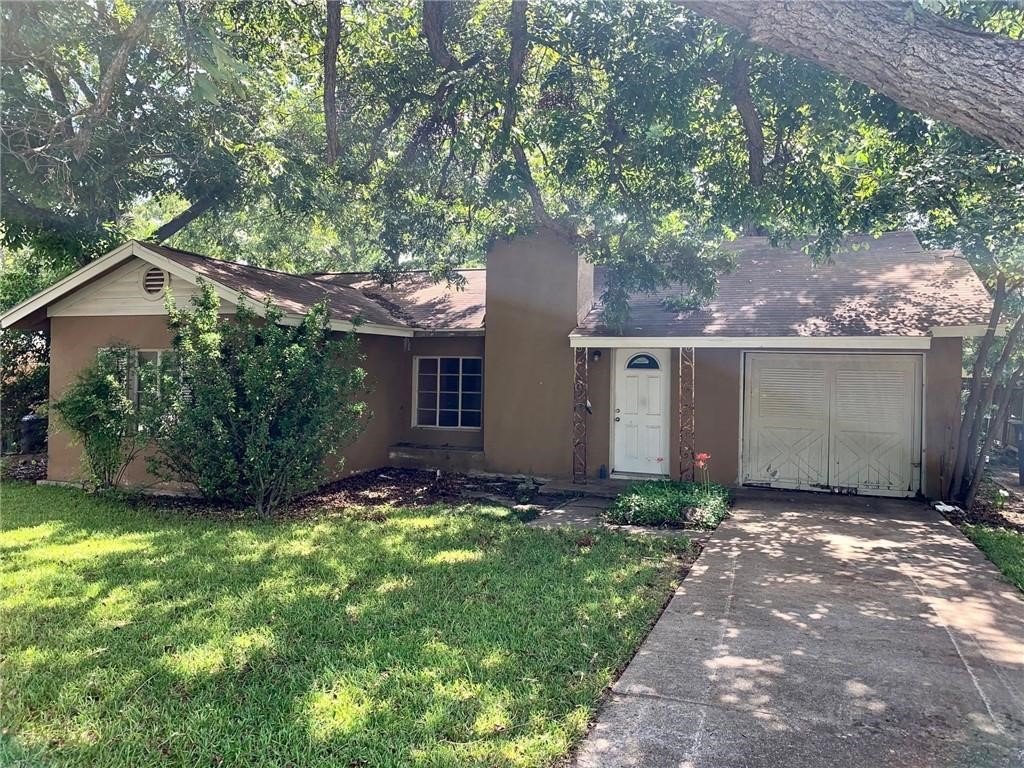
[885, 286]
[419, 300]
[416, 301]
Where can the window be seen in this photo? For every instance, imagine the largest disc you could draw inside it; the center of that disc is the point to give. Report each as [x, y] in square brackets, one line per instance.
[643, 361]
[449, 392]
[141, 367]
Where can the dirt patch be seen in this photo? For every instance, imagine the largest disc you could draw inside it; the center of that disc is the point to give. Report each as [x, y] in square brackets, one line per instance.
[1002, 510]
[376, 488]
[23, 466]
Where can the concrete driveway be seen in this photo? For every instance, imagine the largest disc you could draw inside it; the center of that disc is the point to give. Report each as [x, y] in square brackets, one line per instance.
[826, 631]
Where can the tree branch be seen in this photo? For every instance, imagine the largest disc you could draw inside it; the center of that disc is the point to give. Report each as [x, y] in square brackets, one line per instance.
[739, 84]
[969, 78]
[331, 79]
[518, 41]
[113, 76]
[434, 13]
[540, 211]
[183, 219]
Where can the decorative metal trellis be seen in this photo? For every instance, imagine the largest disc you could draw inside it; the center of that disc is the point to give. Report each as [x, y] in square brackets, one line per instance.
[687, 436]
[579, 416]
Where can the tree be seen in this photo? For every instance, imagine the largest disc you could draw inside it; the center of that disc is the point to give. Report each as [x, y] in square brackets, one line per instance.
[924, 62]
[255, 407]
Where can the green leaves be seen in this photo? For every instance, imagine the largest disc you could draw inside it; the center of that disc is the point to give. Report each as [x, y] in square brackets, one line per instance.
[260, 405]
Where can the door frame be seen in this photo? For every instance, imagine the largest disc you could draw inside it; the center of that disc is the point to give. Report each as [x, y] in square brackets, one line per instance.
[917, 437]
[619, 357]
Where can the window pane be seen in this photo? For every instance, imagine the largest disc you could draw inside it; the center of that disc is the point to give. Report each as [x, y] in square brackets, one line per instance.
[428, 365]
[470, 402]
[471, 383]
[471, 418]
[450, 402]
[426, 418]
[427, 400]
[472, 365]
[428, 383]
[448, 419]
[449, 383]
[449, 365]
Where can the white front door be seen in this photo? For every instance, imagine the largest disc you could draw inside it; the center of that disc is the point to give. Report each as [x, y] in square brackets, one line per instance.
[640, 412]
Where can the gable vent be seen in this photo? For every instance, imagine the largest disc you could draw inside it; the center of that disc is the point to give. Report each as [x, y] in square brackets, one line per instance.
[154, 280]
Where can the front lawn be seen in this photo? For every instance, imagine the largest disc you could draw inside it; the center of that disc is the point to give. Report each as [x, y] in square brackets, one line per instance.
[438, 636]
[1003, 547]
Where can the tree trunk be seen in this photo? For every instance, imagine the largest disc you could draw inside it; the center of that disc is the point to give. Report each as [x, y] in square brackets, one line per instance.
[995, 427]
[331, 79]
[985, 401]
[971, 79]
[974, 393]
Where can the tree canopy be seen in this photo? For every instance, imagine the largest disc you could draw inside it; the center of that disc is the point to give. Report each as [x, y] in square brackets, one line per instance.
[346, 134]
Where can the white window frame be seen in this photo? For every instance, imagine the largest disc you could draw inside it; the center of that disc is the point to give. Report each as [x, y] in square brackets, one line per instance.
[437, 408]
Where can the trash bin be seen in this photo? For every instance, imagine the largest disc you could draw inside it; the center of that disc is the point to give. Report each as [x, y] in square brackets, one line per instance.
[33, 433]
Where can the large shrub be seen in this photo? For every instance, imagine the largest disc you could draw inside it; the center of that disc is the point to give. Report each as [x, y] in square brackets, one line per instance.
[258, 406]
[100, 413]
[667, 502]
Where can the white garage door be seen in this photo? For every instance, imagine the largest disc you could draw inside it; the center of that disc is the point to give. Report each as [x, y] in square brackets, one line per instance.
[844, 422]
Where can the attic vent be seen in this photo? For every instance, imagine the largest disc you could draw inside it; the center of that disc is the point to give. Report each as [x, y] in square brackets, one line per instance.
[154, 280]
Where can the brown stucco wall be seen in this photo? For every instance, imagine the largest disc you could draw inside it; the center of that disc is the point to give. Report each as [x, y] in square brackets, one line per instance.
[387, 361]
[943, 366]
[73, 345]
[718, 381]
[535, 295]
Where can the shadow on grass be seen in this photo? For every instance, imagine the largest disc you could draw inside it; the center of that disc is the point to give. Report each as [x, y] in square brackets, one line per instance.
[431, 637]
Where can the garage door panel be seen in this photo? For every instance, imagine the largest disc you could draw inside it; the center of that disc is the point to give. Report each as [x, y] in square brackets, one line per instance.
[787, 399]
[832, 420]
[790, 456]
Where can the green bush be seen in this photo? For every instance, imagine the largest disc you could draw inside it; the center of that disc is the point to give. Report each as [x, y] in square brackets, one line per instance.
[99, 412]
[671, 503]
[257, 406]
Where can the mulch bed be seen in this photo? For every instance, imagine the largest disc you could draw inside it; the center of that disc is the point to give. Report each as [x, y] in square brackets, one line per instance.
[23, 466]
[1007, 513]
[377, 488]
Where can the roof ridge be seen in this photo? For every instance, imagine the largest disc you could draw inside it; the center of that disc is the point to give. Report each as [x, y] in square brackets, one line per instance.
[401, 272]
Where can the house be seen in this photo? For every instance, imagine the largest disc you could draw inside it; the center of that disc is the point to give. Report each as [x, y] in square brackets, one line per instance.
[843, 376]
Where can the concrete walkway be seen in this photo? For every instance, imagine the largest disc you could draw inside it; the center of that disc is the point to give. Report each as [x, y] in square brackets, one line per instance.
[826, 631]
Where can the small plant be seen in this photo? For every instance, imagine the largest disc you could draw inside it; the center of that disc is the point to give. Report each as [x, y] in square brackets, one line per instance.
[98, 410]
[700, 461]
[671, 503]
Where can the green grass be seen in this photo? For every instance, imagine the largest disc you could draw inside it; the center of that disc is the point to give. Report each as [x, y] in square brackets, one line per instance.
[1003, 547]
[666, 502]
[432, 637]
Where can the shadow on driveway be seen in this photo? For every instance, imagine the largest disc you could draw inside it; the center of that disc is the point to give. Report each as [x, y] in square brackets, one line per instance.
[818, 630]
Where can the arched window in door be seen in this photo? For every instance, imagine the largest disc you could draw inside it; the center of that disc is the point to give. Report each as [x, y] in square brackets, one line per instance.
[649, 362]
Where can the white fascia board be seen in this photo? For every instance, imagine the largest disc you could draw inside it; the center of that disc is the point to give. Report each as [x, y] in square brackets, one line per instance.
[63, 287]
[753, 342]
[964, 331]
[373, 329]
